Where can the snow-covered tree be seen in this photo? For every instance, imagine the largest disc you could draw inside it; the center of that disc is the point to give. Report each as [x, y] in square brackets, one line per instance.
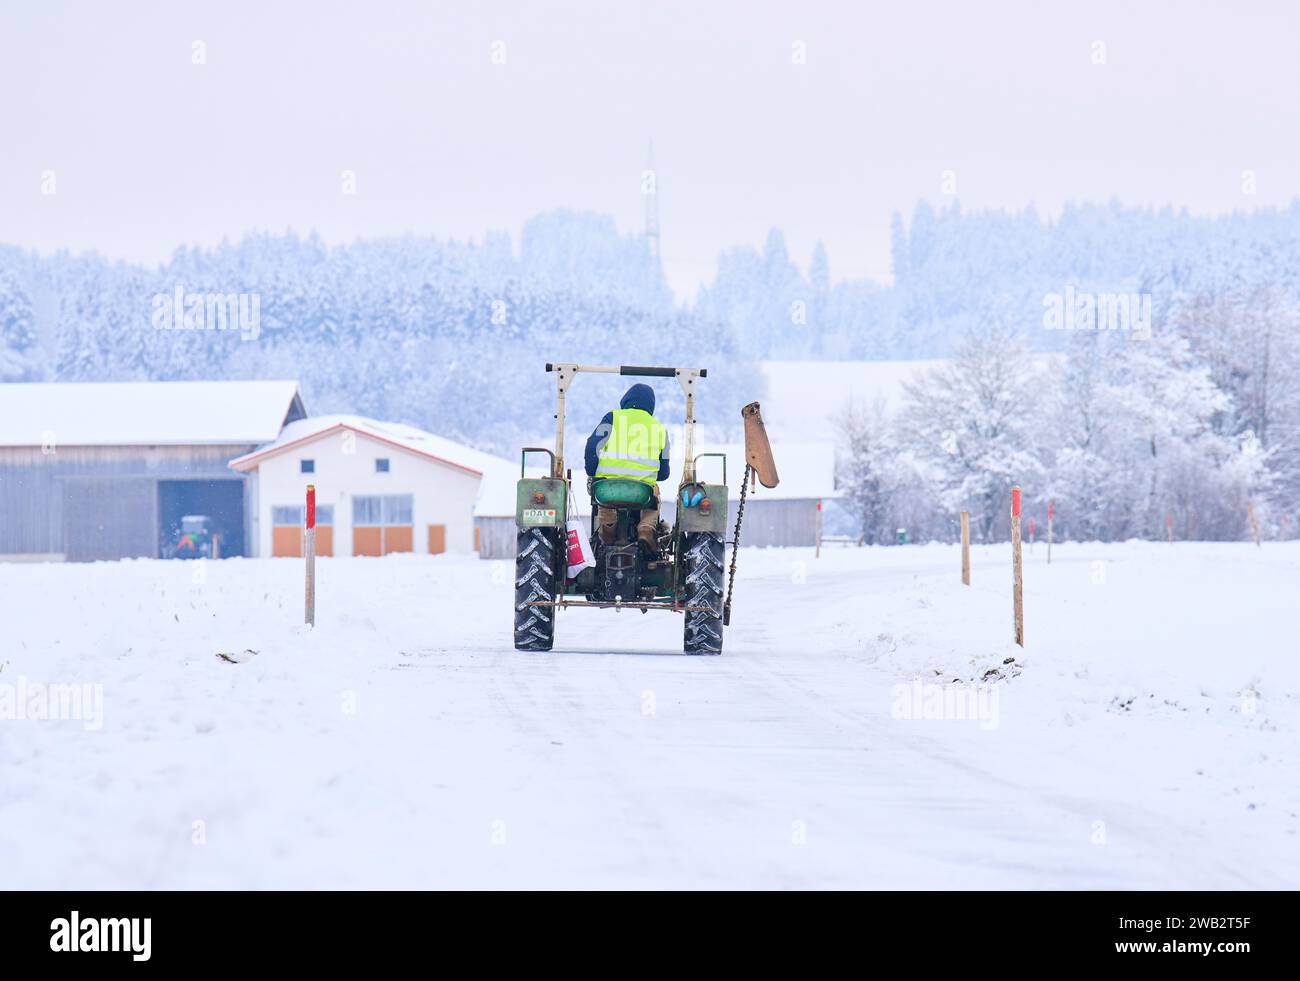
[1196, 423]
[969, 423]
[17, 332]
[867, 469]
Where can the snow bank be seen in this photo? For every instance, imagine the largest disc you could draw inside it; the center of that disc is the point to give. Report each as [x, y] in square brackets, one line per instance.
[1146, 736]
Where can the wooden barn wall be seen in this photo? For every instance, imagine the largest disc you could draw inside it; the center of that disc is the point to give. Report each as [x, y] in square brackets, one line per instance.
[109, 518]
[496, 538]
[772, 524]
[114, 486]
[768, 524]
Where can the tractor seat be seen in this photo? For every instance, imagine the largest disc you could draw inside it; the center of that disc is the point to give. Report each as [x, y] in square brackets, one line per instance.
[611, 492]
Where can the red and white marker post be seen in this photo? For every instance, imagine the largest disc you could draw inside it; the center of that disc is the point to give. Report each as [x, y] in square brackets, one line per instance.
[1031, 534]
[309, 551]
[1169, 528]
[1049, 532]
[1017, 580]
[818, 553]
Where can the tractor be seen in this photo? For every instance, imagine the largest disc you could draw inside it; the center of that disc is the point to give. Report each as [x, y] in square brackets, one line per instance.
[685, 575]
[194, 539]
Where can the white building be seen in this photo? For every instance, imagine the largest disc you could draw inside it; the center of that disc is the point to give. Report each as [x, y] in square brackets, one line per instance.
[108, 470]
[380, 487]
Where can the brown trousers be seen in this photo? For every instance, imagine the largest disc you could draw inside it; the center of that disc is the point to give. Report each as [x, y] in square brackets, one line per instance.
[646, 527]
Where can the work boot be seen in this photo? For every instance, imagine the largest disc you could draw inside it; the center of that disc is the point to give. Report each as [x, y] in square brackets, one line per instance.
[606, 525]
[646, 527]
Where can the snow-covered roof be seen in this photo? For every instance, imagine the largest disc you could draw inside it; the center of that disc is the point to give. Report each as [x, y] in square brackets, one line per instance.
[803, 398]
[393, 433]
[496, 491]
[806, 469]
[145, 413]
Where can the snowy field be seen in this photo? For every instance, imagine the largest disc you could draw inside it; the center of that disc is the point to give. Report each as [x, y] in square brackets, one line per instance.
[1146, 736]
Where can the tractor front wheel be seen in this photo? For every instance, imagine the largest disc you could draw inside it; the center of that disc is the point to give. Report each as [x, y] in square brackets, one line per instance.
[537, 553]
[704, 562]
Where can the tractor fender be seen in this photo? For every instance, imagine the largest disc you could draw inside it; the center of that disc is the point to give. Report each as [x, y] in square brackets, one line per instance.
[713, 519]
[541, 502]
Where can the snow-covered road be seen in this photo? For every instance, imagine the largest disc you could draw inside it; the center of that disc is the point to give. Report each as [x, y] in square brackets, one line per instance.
[1146, 737]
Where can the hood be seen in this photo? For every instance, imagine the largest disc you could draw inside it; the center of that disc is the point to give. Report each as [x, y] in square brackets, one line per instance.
[639, 397]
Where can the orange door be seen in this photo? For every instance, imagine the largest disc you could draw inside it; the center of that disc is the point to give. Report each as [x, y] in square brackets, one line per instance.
[324, 539]
[367, 541]
[377, 540]
[399, 538]
[286, 541]
[437, 539]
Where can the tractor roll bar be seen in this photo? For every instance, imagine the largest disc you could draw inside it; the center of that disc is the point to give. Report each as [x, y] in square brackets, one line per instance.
[629, 369]
[523, 458]
[685, 378]
[723, 456]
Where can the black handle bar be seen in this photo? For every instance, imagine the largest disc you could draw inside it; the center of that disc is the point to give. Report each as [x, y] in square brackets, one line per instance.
[644, 372]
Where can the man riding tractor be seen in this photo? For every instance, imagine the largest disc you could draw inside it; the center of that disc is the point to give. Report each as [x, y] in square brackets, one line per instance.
[640, 563]
[630, 444]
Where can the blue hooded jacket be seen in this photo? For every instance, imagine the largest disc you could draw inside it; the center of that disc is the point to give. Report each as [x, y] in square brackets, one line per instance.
[639, 396]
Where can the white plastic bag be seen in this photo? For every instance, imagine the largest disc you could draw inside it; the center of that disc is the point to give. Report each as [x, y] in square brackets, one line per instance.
[579, 543]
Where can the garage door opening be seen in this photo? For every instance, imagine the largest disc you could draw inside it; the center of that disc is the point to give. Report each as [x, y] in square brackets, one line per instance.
[220, 502]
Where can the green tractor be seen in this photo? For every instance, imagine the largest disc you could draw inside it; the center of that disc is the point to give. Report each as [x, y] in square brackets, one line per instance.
[685, 576]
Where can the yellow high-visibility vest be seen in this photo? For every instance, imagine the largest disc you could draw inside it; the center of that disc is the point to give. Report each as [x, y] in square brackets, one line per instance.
[632, 450]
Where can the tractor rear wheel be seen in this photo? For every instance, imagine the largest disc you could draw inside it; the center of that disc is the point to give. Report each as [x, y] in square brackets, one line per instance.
[537, 554]
[704, 562]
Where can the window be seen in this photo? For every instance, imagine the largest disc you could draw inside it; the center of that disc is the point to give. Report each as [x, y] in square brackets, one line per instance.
[381, 464]
[397, 509]
[384, 509]
[293, 515]
[306, 466]
[367, 510]
[287, 516]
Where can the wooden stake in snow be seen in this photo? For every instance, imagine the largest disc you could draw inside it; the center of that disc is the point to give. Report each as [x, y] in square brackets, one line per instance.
[965, 548]
[1017, 581]
[1031, 534]
[309, 550]
[818, 553]
[1254, 522]
[1050, 509]
[1169, 528]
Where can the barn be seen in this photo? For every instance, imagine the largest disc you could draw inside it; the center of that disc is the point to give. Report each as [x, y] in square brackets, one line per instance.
[381, 487]
[107, 470]
[786, 515]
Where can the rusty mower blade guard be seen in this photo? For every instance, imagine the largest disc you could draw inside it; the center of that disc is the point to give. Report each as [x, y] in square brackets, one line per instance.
[758, 451]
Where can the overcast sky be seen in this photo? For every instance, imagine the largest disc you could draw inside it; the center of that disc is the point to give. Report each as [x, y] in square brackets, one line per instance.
[461, 118]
